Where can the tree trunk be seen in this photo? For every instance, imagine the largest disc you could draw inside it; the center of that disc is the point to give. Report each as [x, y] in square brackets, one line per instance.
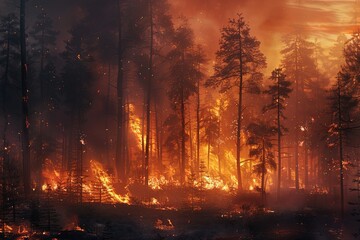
[148, 98]
[296, 122]
[120, 164]
[183, 133]
[25, 107]
[126, 151]
[158, 137]
[238, 133]
[341, 157]
[40, 156]
[279, 138]
[191, 142]
[4, 151]
[107, 120]
[306, 160]
[263, 173]
[198, 126]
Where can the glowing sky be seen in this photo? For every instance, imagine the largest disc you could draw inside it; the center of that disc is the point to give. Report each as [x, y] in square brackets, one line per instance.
[323, 20]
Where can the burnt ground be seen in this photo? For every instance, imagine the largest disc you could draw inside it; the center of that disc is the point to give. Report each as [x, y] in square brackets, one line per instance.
[239, 217]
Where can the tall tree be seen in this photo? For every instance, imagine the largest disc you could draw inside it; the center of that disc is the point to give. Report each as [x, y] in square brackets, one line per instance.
[239, 62]
[299, 67]
[44, 37]
[183, 81]
[279, 91]
[148, 94]
[25, 104]
[343, 105]
[201, 60]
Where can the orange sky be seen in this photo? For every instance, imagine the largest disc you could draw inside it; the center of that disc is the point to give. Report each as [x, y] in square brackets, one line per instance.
[269, 20]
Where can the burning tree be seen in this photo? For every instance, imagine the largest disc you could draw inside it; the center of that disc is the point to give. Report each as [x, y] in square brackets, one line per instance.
[239, 62]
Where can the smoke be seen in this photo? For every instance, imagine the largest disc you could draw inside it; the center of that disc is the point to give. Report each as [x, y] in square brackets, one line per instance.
[268, 20]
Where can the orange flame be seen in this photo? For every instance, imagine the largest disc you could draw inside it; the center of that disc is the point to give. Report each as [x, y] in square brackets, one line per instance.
[105, 181]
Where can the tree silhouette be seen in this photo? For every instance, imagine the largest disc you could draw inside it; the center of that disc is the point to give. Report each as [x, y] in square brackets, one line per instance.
[239, 64]
[299, 68]
[279, 91]
[183, 73]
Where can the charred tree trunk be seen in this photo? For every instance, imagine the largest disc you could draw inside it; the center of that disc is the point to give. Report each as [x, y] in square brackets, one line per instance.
[183, 130]
[341, 157]
[42, 107]
[296, 122]
[198, 126]
[4, 137]
[263, 170]
[238, 133]
[120, 164]
[107, 121]
[126, 137]
[148, 98]
[279, 138]
[306, 163]
[25, 105]
[158, 138]
[190, 142]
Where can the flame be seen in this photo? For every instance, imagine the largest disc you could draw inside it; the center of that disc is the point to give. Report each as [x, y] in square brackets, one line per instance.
[135, 126]
[105, 181]
[51, 175]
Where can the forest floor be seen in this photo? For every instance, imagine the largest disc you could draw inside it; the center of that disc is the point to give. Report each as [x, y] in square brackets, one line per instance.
[299, 216]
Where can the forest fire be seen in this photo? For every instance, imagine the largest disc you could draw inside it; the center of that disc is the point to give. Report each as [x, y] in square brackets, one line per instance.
[179, 119]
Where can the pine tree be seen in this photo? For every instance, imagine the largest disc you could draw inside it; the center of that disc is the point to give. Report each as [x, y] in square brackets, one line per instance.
[278, 92]
[184, 73]
[344, 104]
[239, 64]
[299, 68]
